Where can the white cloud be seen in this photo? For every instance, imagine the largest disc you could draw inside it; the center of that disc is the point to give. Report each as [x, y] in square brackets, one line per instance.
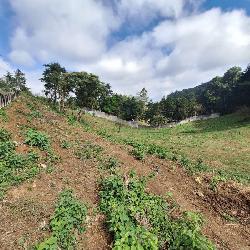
[183, 50]
[61, 30]
[4, 67]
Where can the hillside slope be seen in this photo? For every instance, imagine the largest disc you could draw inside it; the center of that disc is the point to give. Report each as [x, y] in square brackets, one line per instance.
[76, 160]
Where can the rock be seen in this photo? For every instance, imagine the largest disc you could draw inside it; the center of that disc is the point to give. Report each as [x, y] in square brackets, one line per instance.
[200, 194]
[198, 180]
[43, 165]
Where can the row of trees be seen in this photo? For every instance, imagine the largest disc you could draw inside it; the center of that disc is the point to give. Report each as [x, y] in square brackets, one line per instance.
[221, 94]
[84, 89]
[13, 81]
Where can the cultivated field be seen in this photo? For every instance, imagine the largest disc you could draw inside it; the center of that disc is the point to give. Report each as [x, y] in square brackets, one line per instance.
[88, 184]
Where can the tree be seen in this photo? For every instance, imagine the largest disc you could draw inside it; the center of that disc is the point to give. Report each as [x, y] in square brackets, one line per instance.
[52, 75]
[142, 97]
[89, 90]
[20, 80]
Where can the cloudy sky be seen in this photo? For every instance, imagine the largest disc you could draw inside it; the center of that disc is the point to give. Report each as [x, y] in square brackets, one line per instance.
[163, 45]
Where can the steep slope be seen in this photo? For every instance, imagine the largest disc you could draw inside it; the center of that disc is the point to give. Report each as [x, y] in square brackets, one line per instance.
[27, 207]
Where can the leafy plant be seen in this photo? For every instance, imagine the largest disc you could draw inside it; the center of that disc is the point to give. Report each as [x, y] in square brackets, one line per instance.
[65, 144]
[140, 220]
[72, 119]
[14, 167]
[4, 135]
[67, 221]
[38, 139]
[3, 115]
[88, 151]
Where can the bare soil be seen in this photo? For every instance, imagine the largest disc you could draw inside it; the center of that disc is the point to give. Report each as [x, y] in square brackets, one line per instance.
[25, 212]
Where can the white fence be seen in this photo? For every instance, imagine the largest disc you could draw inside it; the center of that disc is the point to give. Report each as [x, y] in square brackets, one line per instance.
[112, 118]
[6, 98]
[135, 124]
[191, 119]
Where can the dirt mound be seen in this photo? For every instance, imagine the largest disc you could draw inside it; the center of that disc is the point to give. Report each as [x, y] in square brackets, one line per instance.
[231, 201]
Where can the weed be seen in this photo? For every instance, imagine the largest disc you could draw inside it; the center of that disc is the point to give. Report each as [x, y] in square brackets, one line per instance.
[65, 144]
[72, 120]
[4, 135]
[111, 164]
[66, 222]
[14, 168]
[35, 114]
[3, 115]
[140, 220]
[38, 139]
[88, 151]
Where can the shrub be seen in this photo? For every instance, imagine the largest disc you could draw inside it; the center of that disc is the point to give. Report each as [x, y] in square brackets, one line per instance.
[140, 220]
[38, 139]
[67, 220]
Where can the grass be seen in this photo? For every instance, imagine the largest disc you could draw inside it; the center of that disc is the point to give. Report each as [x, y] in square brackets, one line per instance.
[222, 143]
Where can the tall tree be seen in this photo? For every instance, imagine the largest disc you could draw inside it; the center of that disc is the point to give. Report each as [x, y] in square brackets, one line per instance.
[52, 75]
[20, 80]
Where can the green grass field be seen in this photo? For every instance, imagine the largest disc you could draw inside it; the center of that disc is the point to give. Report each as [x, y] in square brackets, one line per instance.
[222, 143]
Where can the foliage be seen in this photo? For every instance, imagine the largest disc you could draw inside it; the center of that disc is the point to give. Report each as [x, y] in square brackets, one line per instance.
[140, 220]
[13, 81]
[14, 167]
[65, 144]
[38, 139]
[52, 77]
[72, 119]
[88, 150]
[67, 220]
[3, 115]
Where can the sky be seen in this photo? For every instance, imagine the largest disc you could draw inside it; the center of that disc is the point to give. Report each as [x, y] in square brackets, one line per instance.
[161, 45]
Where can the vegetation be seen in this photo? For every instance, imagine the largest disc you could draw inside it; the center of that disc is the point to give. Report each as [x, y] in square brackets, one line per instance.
[15, 81]
[140, 220]
[14, 167]
[222, 94]
[68, 220]
[38, 139]
[214, 145]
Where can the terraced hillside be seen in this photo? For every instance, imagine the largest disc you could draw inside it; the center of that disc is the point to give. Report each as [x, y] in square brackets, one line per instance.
[80, 183]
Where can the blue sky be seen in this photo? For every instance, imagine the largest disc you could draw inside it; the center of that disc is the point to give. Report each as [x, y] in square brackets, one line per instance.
[161, 45]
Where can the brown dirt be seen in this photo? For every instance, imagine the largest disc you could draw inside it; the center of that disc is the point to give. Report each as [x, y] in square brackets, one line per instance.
[28, 207]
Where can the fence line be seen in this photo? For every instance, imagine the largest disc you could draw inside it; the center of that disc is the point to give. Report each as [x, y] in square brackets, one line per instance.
[6, 98]
[135, 124]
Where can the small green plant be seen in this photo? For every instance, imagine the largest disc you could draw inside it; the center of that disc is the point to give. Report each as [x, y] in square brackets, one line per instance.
[14, 167]
[38, 139]
[67, 221]
[139, 151]
[72, 119]
[140, 220]
[65, 144]
[3, 115]
[4, 135]
[216, 180]
[35, 114]
[111, 164]
[88, 151]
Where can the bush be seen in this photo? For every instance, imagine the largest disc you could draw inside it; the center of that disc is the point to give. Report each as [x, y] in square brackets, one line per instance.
[38, 139]
[68, 219]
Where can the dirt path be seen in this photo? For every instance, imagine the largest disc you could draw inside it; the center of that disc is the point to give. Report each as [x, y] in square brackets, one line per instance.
[29, 206]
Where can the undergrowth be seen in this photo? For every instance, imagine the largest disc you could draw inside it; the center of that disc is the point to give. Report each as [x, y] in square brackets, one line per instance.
[139, 220]
[14, 167]
[38, 139]
[67, 221]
